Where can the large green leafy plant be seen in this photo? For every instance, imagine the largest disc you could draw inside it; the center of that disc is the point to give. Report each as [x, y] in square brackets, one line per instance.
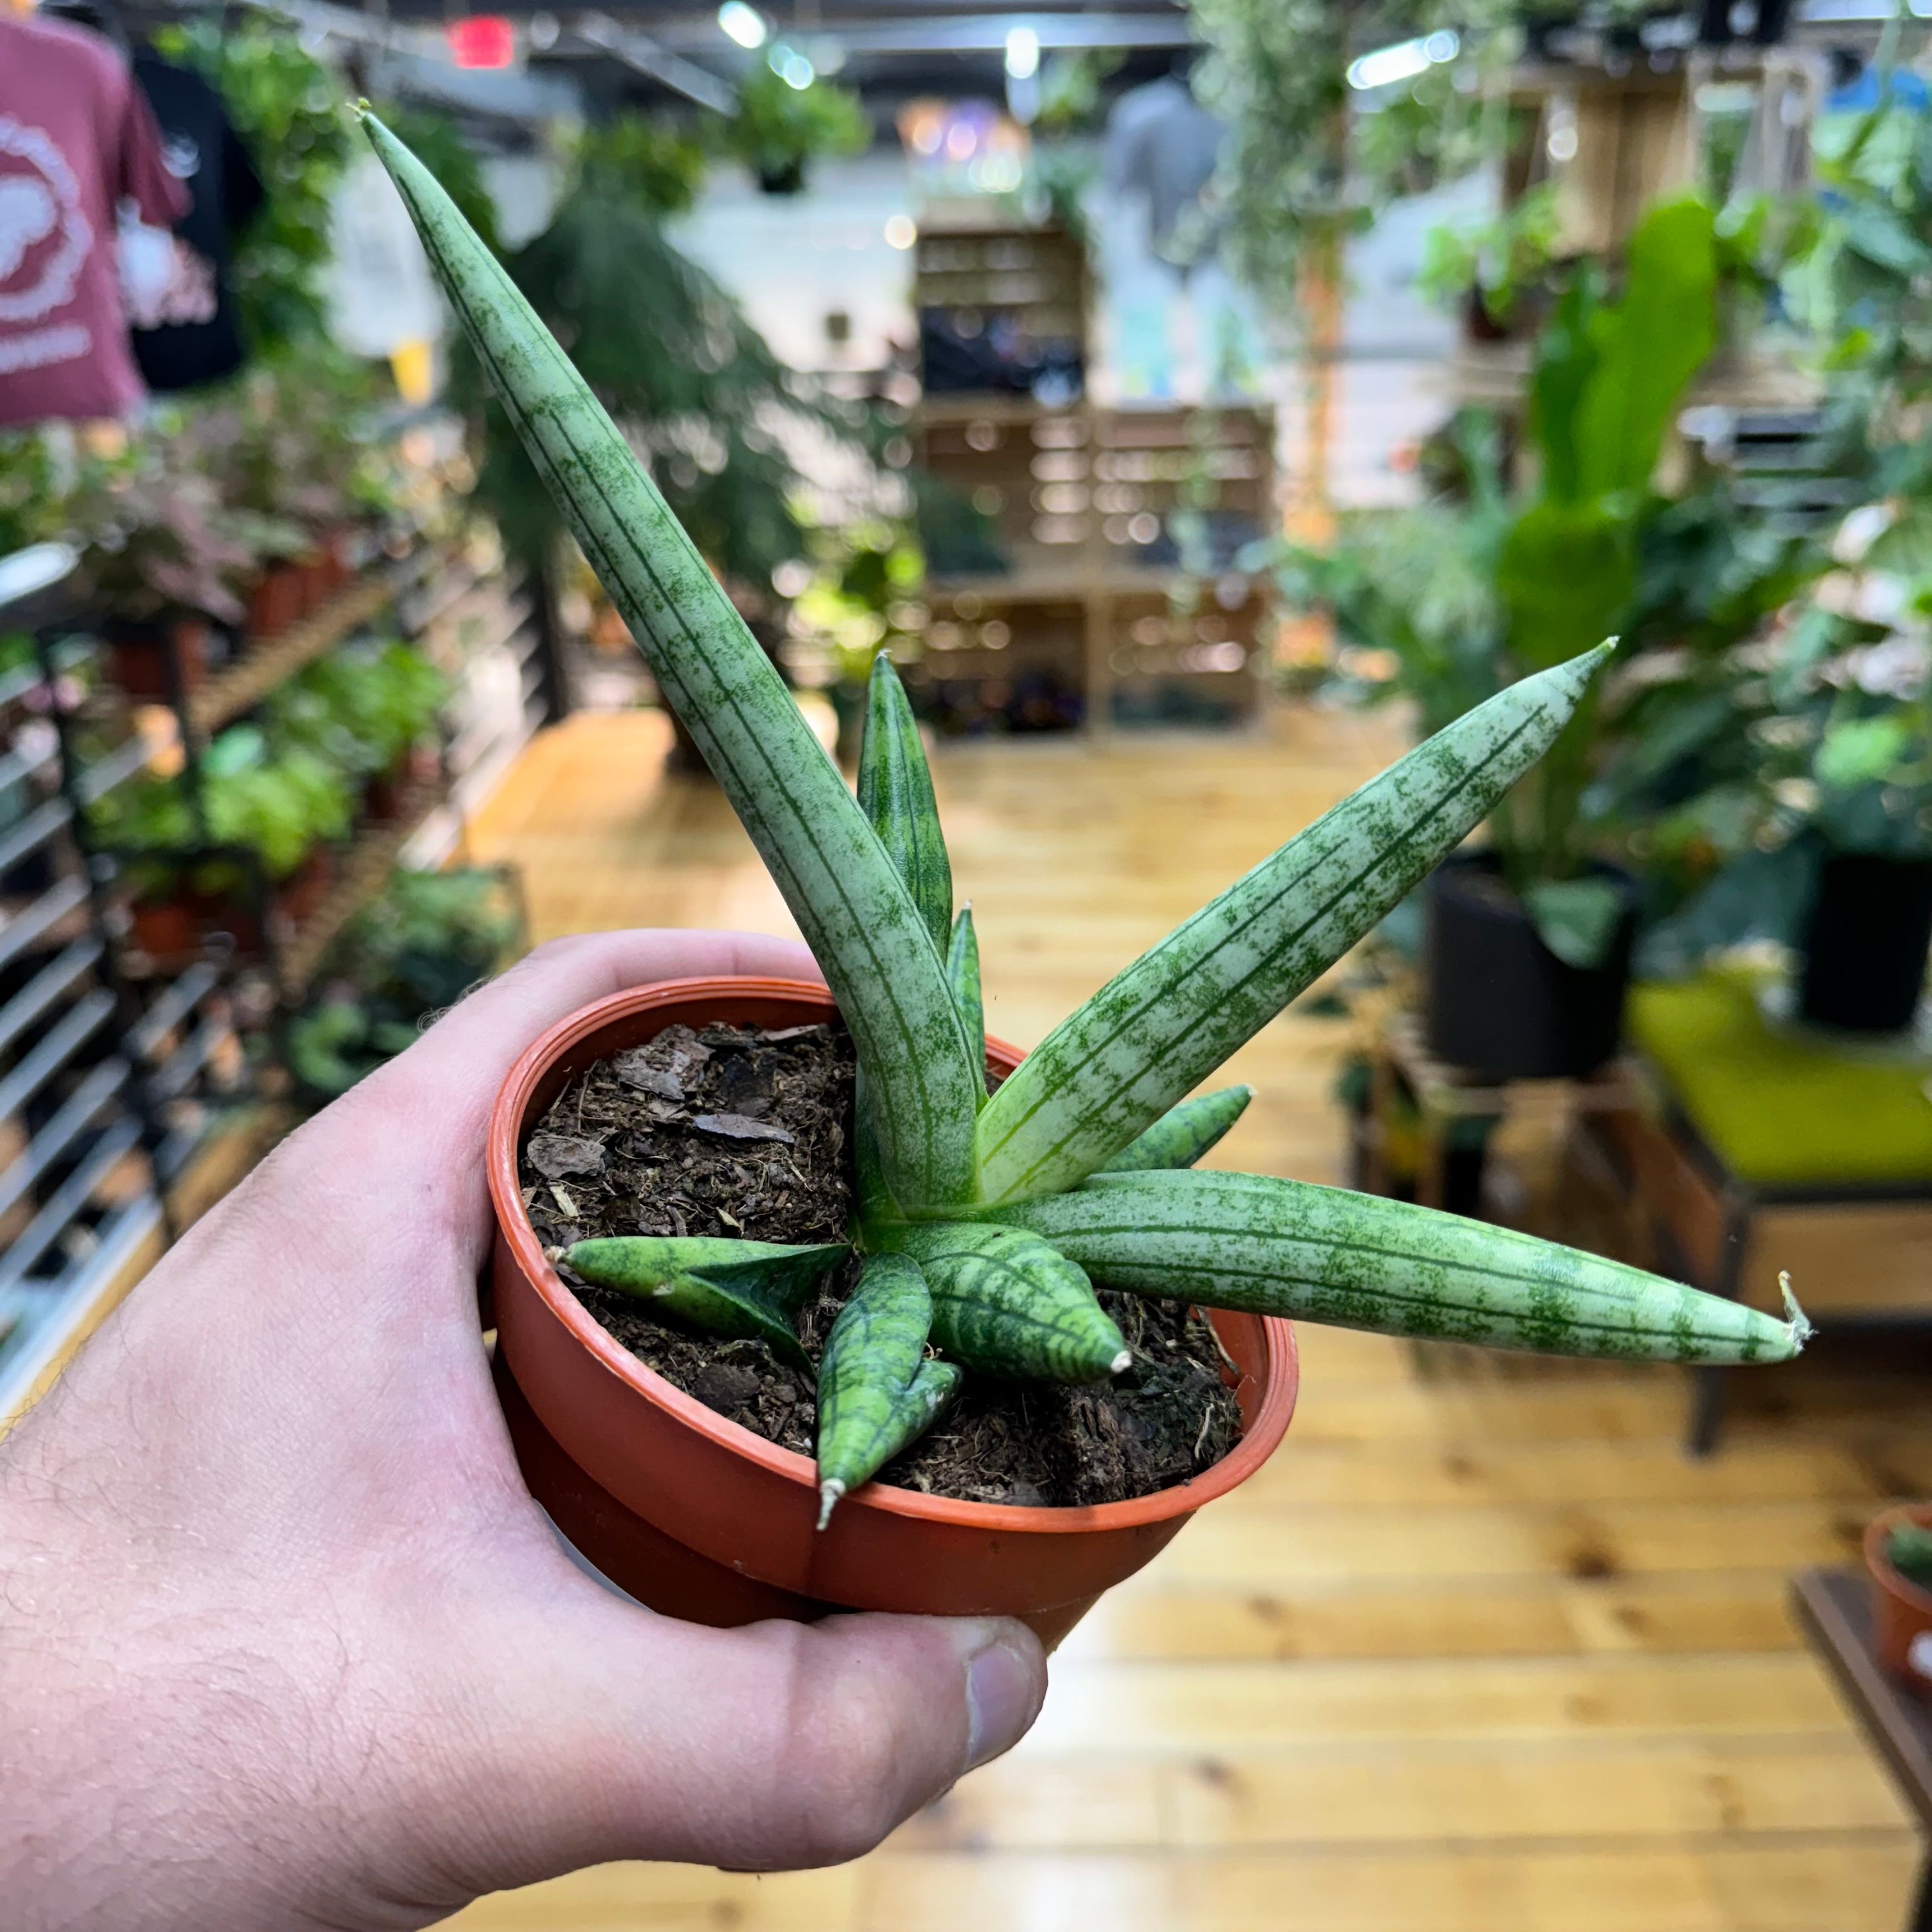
[1469, 593]
[985, 1219]
[669, 354]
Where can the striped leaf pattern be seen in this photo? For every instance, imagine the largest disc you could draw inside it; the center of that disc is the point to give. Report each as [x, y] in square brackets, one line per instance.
[914, 1410]
[1107, 1073]
[896, 795]
[1006, 1303]
[1184, 1133]
[1243, 1241]
[876, 950]
[866, 1372]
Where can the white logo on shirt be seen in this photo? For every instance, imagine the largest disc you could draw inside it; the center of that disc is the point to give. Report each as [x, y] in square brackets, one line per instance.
[39, 200]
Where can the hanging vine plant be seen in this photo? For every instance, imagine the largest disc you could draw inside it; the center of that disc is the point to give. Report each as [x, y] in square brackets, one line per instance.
[1303, 167]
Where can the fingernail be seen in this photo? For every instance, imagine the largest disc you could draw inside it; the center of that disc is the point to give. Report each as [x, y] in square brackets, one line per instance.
[1004, 1684]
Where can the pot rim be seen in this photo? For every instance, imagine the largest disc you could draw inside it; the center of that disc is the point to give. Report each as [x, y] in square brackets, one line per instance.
[1884, 1571]
[1279, 1380]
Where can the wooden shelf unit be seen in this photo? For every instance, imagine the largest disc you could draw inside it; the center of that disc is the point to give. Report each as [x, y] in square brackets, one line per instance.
[1092, 508]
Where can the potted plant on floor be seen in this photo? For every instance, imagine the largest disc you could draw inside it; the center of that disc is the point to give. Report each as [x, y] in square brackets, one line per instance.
[1792, 802]
[1898, 1555]
[973, 1222]
[1528, 940]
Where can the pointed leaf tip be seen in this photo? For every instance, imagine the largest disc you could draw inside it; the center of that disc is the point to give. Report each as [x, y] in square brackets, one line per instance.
[1795, 1319]
[895, 794]
[829, 1491]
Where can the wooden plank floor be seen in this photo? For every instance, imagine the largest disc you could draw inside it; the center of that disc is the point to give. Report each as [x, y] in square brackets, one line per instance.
[1480, 1651]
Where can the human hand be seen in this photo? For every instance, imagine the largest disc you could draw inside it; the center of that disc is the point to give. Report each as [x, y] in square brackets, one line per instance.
[284, 1643]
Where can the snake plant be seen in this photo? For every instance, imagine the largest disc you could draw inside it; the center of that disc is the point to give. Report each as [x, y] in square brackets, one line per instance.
[985, 1220]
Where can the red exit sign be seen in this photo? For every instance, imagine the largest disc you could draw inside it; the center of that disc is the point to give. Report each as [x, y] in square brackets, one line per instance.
[484, 40]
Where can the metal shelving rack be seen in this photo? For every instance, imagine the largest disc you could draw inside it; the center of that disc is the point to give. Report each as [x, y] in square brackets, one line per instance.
[114, 1068]
[108, 1089]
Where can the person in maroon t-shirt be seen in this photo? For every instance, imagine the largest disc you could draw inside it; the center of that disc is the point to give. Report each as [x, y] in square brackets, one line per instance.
[76, 139]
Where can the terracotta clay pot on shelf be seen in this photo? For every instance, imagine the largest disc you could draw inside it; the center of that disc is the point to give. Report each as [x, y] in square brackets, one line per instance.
[167, 930]
[275, 602]
[139, 652]
[702, 1520]
[1901, 1609]
[297, 897]
[173, 931]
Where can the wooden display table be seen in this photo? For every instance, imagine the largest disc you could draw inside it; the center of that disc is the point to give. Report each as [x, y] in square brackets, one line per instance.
[1833, 1608]
[1404, 1070]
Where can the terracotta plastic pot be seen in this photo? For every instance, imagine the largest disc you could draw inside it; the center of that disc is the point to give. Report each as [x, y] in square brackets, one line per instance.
[167, 930]
[275, 600]
[140, 651]
[1901, 1609]
[304, 889]
[703, 1520]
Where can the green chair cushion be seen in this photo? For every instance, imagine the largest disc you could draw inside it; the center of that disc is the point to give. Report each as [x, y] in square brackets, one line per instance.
[1779, 1107]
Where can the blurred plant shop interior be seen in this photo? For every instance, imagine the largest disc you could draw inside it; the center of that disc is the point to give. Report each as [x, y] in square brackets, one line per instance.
[1199, 405]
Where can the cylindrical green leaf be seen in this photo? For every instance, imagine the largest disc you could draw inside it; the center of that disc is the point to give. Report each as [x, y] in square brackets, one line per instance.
[1006, 1304]
[895, 794]
[962, 971]
[869, 1361]
[913, 1411]
[1155, 1031]
[850, 903]
[1184, 1133]
[1245, 1241]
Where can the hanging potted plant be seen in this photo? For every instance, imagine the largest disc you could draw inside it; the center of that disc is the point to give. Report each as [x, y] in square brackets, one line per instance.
[779, 129]
[973, 1206]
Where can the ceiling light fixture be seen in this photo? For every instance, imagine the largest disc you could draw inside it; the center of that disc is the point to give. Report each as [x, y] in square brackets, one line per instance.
[1403, 60]
[744, 24]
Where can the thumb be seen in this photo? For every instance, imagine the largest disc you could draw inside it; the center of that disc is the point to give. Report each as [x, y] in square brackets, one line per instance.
[778, 1746]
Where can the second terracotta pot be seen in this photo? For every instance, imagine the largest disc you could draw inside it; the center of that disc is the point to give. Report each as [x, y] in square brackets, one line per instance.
[1901, 1609]
[702, 1520]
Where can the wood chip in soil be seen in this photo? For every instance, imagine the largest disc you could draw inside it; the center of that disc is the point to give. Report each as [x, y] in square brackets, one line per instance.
[736, 1132]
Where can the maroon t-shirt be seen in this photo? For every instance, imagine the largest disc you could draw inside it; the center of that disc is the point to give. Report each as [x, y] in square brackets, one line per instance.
[76, 139]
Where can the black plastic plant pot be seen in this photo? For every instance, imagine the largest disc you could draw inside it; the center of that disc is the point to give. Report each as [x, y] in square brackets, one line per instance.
[1865, 944]
[1497, 1001]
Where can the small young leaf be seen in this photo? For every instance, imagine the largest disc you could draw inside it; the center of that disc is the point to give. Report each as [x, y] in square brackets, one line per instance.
[871, 1357]
[1184, 1133]
[1004, 1303]
[1247, 1242]
[895, 794]
[962, 971]
[1105, 1075]
[852, 907]
[748, 1290]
